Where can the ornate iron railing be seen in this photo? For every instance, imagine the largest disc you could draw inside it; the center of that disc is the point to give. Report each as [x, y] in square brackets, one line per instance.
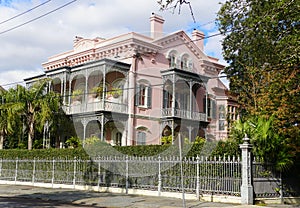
[186, 114]
[101, 105]
[201, 175]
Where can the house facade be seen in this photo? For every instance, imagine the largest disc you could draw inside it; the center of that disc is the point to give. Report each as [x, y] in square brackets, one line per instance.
[135, 89]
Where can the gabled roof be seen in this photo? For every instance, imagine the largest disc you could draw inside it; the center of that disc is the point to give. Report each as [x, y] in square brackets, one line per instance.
[185, 39]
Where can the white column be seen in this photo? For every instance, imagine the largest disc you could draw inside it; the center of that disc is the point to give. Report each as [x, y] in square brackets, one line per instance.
[131, 101]
[246, 188]
[191, 100]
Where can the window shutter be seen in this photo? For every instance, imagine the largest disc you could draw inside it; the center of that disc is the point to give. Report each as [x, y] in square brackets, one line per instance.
[137, 95]
[204, 104]
[214, 109]
[138, 135]
[149, 97]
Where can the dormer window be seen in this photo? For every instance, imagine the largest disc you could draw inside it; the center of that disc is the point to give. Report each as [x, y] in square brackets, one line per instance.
[172, 61]
[172, 57]
[185, 63]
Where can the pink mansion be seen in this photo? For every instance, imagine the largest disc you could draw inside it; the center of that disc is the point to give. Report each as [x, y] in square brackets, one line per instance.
[133, 89]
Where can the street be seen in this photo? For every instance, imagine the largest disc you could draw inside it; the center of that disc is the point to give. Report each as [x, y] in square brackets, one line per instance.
[9, 202]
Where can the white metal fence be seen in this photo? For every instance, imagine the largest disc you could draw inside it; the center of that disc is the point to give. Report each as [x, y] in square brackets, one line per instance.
[201, 175]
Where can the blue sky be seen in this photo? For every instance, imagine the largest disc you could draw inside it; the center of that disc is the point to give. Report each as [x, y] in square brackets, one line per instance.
[24, 49]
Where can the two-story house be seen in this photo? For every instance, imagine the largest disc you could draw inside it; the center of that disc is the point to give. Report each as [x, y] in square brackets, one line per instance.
[134, 89]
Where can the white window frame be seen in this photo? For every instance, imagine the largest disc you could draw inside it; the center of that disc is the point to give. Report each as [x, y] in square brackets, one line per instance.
[141, 137]
[143, 96]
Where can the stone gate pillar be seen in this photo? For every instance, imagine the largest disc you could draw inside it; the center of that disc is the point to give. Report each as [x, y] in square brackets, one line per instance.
[246, 188]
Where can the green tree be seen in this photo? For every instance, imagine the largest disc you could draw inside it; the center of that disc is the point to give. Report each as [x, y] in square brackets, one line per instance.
[9, 119]
[268, 145]
[37, 106]
[262, 48]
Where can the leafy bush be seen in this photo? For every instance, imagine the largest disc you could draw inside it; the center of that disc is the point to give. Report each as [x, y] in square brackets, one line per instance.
[94, 148]
[44, 154]
[73, 142]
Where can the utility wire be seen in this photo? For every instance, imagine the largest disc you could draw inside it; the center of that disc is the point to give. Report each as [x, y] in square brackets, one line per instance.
[14, 17]
[12, 83]
[34, 19]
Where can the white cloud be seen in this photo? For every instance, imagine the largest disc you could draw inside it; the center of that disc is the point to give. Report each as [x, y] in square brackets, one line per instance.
[24, 49]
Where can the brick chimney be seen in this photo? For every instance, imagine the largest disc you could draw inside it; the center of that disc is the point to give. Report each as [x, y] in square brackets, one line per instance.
[156, 23]
[198, 38]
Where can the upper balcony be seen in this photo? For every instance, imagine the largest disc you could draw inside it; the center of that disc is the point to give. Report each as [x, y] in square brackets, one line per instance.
[184, 114]
[91, 107]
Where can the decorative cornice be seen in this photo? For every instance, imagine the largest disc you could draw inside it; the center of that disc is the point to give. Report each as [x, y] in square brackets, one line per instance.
[119, 47]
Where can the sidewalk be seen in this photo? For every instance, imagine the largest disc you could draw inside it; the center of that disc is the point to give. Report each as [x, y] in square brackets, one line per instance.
[110, 200]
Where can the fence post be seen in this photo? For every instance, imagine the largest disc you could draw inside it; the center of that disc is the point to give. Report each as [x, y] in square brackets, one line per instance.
[33, 172]
[126, 186]
[74, 173]
[99, 173]
[246, 188]
[281, 189]
[1, 167]
[197, 177]
[159, 176]
[53, 172]
[16, 172]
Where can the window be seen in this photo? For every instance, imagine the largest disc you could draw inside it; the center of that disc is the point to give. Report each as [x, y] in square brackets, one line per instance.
[232, 114]
[211, 108]
[172, 58]
[221, 112]
[143, 96]
[118, 138]
[222, 117]
[172, 61]
[221, 125]
[184, 63]
[167, 101]
[184, 100]
[141, 138]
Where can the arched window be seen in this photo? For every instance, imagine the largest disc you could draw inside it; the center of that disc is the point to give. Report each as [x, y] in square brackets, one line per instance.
[172, 57]
[118, 87]
[141, 135]
[185, 62]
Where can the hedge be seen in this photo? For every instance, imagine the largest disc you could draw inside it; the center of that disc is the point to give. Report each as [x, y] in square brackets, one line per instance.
[102, 149]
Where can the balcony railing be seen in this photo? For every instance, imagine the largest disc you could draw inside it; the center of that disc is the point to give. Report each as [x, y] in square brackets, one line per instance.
[95, 106]
[186, 114]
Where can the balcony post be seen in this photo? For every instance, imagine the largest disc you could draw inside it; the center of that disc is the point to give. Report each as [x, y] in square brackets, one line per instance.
[70, 89]
[86, 90]
[102, 127]
[64, 90]
[173, 96]
[206, 104]
[84, 123]
[191, 100]
[103, 87]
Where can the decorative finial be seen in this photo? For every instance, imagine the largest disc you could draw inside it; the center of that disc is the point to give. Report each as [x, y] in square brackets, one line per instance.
[246, 139]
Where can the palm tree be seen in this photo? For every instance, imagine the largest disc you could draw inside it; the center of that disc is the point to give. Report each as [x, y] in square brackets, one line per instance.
[3, 118]
[37, 106]
[8, 114]
[268, 145]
